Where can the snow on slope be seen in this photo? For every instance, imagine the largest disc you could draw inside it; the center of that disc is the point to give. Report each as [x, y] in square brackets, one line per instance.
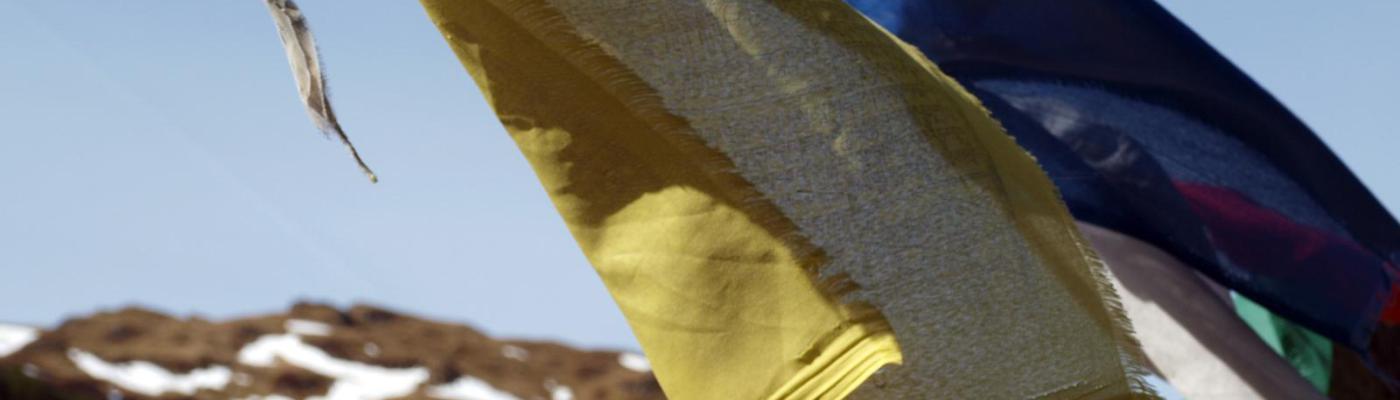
[310, 352]
[353, 380]
[469, 388]
[15, 337]
[635, 362]
[150, 379]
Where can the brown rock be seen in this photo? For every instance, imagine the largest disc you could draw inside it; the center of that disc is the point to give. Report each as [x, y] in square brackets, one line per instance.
[363, 334]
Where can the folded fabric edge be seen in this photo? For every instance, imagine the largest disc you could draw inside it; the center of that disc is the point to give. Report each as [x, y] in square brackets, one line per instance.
[845, 362]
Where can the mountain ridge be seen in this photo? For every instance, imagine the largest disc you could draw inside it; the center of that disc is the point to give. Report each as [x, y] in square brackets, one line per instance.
[310, 351]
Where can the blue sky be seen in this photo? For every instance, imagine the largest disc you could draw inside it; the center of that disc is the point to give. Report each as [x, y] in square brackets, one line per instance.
[155, 153]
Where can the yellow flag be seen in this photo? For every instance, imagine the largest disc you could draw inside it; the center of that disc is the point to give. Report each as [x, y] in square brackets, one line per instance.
[784, 199]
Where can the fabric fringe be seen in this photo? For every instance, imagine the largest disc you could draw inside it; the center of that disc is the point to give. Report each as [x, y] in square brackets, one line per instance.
[305, 61]
[1132, 357]
[550, 27]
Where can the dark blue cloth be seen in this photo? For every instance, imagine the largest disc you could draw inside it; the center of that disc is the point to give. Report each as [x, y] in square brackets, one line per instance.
[1148, 130]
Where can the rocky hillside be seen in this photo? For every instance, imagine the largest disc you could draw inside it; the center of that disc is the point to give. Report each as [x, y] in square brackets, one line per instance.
[312, 351]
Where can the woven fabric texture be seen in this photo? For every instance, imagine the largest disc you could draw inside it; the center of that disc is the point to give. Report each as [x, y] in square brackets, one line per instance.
[784, 199]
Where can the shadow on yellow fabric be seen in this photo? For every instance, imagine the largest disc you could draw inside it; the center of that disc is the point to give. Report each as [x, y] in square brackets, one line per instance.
[787, 202]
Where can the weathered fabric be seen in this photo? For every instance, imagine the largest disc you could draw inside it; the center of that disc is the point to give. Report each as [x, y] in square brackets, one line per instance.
[1190, 333]
[784, 199]
[1149, 131]
[305, 61]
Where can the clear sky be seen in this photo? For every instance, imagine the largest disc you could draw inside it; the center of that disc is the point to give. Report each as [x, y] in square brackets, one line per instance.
[155, 153]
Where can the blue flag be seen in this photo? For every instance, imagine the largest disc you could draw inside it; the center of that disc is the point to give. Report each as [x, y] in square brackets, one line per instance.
[1149, 131]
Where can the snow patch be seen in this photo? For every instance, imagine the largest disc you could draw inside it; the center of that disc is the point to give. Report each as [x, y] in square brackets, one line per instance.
[273, 396]
[468, 388]
[307, 327]
[559, 392]
[634, 361]
[353, 380]
[150, 379]
[514, 352]
[15, 337]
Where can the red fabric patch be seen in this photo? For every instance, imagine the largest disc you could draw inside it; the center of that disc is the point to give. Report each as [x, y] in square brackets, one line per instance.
[1269, 244]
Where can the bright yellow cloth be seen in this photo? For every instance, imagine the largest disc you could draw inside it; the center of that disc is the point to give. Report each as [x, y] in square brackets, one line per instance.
[773, 191]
